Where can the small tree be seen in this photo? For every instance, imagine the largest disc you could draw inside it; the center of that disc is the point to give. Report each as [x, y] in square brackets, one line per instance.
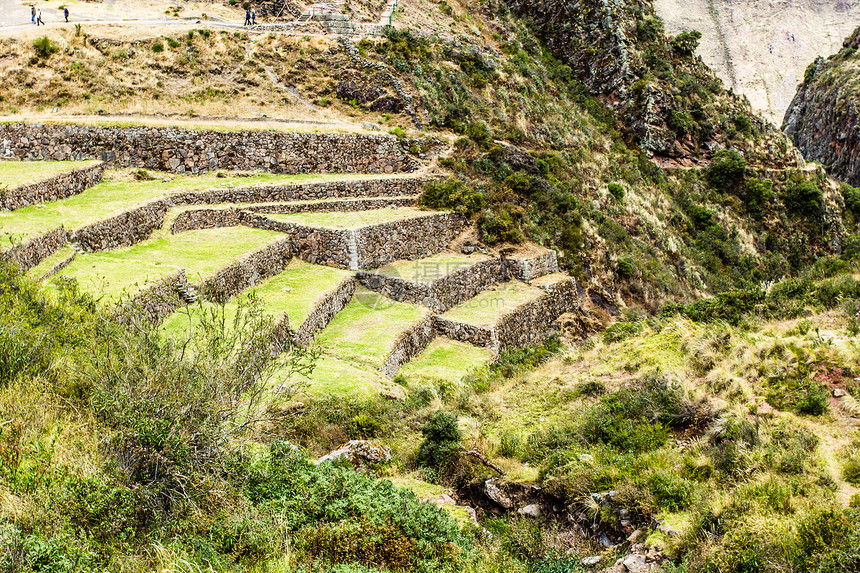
[441, 441]
[685, 43]
[727, 170]
[44, 48]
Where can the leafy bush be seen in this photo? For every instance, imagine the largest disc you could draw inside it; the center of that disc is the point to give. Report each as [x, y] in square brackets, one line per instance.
[803, 198]
[616, 190]
[337, 515]
[851, 196]
[44, 48]
[453, 194]
[686, 43]
[441, 441]
[157, 47]
[726, 171]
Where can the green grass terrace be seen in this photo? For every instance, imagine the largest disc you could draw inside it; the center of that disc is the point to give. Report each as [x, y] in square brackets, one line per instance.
[430, 269]
[19, 173]
[120, 192]
[110, 274]
[294, 292]
[352, 219]
[489, 306]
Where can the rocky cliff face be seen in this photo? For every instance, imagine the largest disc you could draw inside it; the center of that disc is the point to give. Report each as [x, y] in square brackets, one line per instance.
[824, 117]
[669, 102]
[761, 49]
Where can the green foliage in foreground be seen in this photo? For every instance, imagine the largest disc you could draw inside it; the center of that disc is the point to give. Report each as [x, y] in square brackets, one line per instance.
[165, 450]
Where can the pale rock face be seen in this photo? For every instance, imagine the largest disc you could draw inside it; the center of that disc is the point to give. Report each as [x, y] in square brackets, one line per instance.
[761, 48]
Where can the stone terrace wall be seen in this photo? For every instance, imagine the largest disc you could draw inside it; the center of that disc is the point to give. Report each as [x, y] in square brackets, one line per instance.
[29, 254]
[531, 321]
[528, 268]
[356, 188]
[180, 150]
[409, 345]
[406, 240]
[248, 271]
[468, 333]
[59, 187]
[398, 289]
[315, 245]
[127, 228]
[324, 311]
[363, 204]
[462, 284]
[154, 302]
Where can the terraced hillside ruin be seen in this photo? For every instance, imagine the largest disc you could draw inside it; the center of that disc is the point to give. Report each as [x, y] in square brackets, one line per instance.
[171, 245]
[369, 286]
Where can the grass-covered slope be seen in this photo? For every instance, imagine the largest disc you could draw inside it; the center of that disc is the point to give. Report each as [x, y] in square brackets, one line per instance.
[17, 173]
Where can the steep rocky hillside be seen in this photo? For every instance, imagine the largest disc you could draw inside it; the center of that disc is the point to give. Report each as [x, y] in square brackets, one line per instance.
[760, 49]
[511, 286]
[823, 117]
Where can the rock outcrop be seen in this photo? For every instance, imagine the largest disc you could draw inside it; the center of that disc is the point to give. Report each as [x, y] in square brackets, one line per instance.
[824, 117]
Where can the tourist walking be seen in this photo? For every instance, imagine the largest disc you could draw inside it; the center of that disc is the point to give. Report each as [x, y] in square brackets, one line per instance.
[39, 21]
[66, 13]
[247, 17]
[33, 14]
[254, 16]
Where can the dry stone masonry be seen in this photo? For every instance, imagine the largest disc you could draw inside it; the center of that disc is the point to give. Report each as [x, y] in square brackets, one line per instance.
[59, 187]
[192, 151]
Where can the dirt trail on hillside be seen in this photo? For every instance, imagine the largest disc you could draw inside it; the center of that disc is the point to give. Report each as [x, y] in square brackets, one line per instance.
[761, 49]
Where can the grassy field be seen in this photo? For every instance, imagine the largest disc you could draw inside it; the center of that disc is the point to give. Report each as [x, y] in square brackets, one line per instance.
[17, 173]
[119, 192]
[446, 360]
[333, 376]
[200, 253]
[352, 219]
[490, 305]
[366, 329]
[291, 292]
[431, 268]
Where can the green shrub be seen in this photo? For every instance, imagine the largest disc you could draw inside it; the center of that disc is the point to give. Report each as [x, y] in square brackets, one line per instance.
[851, 465]
[851, 196]
[480, 133]
[157, 47]
[803, 198]
[616, 190]
[44, 48]
[173, 42]
[743, 124]
[686, 43]
[501, 224]
[441, 441]
[726, 171]
[453, 194]
[671, 491]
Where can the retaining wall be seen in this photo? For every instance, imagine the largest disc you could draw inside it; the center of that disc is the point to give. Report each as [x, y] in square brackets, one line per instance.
[462, 284]
[528, 268]
[155, 302]
[59, 187]
[127, 228]
[30, 253]
[468, 333]
[247, 271]
[530, 322]
[196, 151]
[523, 325]
[324, 311]
[409, 345]
[406, 240]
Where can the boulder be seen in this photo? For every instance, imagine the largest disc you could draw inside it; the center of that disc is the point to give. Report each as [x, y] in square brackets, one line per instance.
[497, 495]
[531, 510]
[359, 452]
[635, 564]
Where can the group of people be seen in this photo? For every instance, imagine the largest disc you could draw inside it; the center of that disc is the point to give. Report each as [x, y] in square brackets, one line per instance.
[250, 17]
[36, 15]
